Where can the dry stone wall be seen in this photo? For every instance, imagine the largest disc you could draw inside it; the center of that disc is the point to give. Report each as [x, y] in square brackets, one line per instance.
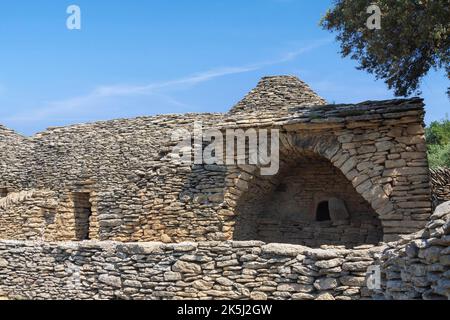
[15, 154]
[418, 267]
[204, 270]
[117, 181]
[138, 193]
[379, 147]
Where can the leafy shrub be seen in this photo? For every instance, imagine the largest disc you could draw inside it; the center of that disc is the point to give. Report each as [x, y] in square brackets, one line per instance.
[438, 139]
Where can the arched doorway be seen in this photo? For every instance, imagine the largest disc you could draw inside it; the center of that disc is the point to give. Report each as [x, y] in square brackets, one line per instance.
[309, 202]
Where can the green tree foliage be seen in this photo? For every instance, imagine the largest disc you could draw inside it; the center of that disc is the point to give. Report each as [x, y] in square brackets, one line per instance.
[438, 139]
[414, 37]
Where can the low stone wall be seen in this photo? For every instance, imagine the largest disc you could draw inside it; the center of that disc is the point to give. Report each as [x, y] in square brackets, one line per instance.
[416, 267]
[204, 270]
[419, 267]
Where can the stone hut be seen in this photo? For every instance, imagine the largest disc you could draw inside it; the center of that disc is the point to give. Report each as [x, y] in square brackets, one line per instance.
[349, 174]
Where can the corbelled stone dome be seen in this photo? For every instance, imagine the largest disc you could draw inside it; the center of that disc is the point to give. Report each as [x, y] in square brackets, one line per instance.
[278, 93]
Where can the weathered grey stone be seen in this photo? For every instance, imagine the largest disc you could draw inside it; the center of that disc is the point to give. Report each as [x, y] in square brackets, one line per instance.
[186, 267]
[327, 264]
[132, 283]
[295, 287]
[202, 285]
[325, 284]
[302, 296]
[172, 276]
[444, 260]
[255, 295]
[111, 281]
[283, 249]
[224, 281]
[304, 270]
[431, 254]
[325, 296]
[441, 210]
[338, 209]
[356, 266]
[322, 254]
[378, 147]
[352, 281]
[3, 263]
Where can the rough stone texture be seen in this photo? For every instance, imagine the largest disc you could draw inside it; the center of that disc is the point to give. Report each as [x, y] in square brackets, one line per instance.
[440, 185]
[418, 267]
[139, 191]
[287, 212]
[220, 270]
[278, 94]
[415, 267]
[119, 180]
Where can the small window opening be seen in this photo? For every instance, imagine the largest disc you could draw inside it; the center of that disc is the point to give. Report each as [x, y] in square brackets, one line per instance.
[323, 211]
[50, 216]
[3, 192]
[83, 212]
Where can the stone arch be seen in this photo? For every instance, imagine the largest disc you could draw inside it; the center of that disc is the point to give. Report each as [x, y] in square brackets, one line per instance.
[325, 148]
[330, 147]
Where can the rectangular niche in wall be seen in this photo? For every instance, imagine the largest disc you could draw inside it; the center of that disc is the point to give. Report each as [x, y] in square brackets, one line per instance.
[3, 192]
[83, 212]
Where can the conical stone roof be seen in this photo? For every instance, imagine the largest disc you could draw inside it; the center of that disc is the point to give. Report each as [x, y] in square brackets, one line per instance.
[278, 93]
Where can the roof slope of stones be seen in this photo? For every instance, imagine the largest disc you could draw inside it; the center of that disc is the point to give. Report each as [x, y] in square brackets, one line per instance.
[277, 94]
[276, 102]
[337, 116]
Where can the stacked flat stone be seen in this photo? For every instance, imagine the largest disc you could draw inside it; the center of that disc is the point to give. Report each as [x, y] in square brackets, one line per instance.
[204, 270]
[418, 267]
[440, 184]
[139, 193]
[276, 94]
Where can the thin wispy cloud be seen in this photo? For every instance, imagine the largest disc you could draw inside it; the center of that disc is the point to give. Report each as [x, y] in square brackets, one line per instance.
[120, 90]
[76, 106]
[124, 90]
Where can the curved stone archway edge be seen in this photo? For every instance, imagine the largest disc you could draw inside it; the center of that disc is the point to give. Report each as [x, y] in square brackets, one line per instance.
[141, 195]
[382, 153]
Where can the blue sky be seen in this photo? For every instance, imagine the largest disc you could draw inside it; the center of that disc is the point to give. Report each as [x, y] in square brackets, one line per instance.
[139, 57]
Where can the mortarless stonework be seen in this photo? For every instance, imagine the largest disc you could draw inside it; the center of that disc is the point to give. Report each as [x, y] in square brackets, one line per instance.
[205, 270]
[118, 181]
[440, 184]
[416, 267]
[139, 193]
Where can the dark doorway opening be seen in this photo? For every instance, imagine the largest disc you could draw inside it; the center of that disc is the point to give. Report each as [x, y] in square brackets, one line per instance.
[83, 212]
[323, 211]
[3, 192]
